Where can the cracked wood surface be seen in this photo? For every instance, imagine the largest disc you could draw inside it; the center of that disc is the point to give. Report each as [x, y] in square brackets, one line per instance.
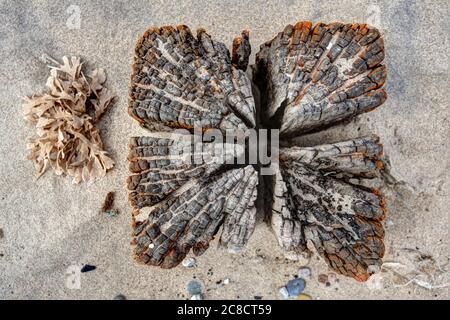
[321, 74]
[189, 219]
[182, 81]
[314, 200]
[309, 77]
[160, 166]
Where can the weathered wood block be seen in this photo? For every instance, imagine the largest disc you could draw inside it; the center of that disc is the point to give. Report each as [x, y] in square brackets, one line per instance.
[309, 78]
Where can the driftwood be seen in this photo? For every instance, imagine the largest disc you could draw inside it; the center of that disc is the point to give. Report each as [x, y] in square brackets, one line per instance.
[313, 76]
[184, 81]
[309, 78]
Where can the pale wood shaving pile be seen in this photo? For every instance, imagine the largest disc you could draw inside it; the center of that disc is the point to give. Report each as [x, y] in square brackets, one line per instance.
[65, 116]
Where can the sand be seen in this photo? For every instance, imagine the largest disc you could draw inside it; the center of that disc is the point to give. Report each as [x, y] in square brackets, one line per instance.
[50, 225]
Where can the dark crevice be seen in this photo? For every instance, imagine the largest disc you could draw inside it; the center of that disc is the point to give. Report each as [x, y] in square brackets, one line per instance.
[266, 183]
[275, 121]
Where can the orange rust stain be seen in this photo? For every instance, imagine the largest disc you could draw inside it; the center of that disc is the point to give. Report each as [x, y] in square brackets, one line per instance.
[176, 124]
[382, 202]
[379, 164]
[361, 277]
[298, 25]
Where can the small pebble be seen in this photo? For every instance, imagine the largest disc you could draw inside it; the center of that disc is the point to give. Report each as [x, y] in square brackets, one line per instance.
[284, 293]
[189, 263]
[111, 214]
[332, 277]
[257, 297]
[323, 278]
[87, 268]
[197, 297]
[151, 245]
[226, 281]
[120, 297]
[108, 203]
[304, 297]
[1, 233]
[295, 287]
[194, 288]
[304, 272]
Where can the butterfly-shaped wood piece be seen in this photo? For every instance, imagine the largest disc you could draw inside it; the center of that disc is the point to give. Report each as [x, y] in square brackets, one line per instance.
[309, 77]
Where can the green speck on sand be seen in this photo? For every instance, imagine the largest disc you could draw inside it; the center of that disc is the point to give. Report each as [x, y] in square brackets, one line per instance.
[111, 213]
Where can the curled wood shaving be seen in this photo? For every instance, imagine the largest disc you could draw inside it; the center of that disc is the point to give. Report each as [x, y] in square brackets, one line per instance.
[64, 118]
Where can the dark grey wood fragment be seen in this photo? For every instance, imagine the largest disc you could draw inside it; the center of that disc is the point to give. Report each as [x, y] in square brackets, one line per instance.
[314, 201]
[309, 77]
[182, 81]
[191, 217]
[316, 75]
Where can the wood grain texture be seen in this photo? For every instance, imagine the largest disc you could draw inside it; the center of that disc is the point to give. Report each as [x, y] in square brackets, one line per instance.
[189, 219]
[314, 201]
[160, 166]
[318, 75]
[309, 77]
[182, 81]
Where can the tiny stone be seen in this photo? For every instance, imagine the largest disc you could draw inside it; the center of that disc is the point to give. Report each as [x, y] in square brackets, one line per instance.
[332, 277]
[111, 214]
[304, 272]
[284, 293]
[109, 203]
[189, 263]
[197, 297]
[1, 233]
[304, 297]
[194, 288]
[257, 297]
[120, 297]
[87, 268]
[323, 278]
[226, 281]
[151, 245]
[295, 287]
